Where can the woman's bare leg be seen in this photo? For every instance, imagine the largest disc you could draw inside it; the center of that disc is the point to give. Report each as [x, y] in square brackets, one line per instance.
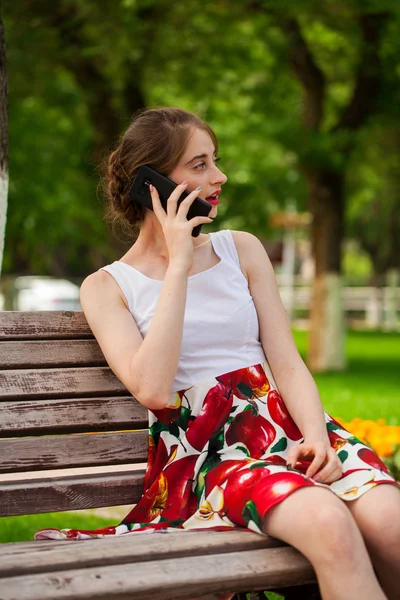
[377, 514]
[321, 527]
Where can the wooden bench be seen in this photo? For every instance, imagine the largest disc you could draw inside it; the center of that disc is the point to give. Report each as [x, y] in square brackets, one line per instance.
[55, 389]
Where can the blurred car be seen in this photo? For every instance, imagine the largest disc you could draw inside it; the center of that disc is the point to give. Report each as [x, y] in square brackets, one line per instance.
[45, 293]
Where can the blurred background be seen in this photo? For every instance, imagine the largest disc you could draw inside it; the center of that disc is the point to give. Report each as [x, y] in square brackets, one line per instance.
[304, 96]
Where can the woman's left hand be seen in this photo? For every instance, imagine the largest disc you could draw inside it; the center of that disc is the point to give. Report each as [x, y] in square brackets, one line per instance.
[325, 466]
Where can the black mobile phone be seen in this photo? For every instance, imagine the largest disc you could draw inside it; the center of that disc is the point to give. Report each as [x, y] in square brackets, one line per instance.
[140, 192]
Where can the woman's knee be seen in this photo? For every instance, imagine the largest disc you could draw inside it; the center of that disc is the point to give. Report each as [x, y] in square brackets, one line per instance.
[339, 534]
[317, 523]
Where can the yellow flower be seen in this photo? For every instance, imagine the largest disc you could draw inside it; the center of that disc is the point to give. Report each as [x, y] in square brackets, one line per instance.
[381, 437]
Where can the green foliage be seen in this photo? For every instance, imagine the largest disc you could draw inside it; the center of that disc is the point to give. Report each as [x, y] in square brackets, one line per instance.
[373, 212]
[78, 71]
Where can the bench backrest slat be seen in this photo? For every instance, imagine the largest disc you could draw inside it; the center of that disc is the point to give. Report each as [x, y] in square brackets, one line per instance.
[72, 415]
[50, 353]
[80, 450]
[72, 492]
[58, 325]
[59, 383]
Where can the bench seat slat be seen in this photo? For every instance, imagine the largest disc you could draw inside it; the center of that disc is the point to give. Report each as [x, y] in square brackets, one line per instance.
[72, 492]
[80, 450]
[166, 579]
[59, 383]
[37, 417]
[48, 324]
[32, 557]
[50, 353]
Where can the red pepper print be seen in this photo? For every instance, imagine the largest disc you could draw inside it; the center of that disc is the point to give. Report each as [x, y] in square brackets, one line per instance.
[219, 474]
[276, 459]
[151, 456]
[251, 382]
[238, 492]
[180, 477]
[152, 503]
[215, 410]
[337, 442]
[276, 488]
[279, 413]
[72, 533]
[162, 458]
[372, 459]
[302, 465]
[254, 431]
[172, 412]
[350, 471]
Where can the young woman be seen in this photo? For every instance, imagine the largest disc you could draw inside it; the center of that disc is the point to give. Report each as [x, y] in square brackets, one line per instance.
[195, 329]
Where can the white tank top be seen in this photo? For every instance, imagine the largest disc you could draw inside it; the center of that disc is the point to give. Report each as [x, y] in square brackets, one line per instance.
[220, 333]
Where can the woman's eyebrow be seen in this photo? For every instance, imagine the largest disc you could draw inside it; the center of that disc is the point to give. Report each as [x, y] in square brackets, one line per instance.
[196, 157]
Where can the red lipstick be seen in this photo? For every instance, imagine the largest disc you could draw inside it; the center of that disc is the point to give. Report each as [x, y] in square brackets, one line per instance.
[213, 198]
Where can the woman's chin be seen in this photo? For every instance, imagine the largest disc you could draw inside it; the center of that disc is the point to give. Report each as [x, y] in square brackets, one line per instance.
[213, 212]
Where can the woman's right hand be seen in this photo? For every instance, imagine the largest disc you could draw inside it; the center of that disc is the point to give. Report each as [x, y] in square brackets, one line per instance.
[176, 228]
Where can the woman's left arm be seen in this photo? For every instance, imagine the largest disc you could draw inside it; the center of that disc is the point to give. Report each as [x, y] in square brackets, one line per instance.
[294, 381]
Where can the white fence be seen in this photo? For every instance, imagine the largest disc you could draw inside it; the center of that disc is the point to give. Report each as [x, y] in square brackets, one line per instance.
[365, 306]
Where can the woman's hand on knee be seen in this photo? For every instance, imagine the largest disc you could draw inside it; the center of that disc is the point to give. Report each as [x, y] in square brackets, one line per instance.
[325, 466]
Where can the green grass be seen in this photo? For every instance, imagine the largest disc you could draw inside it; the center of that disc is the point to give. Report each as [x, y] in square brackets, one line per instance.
[370, 387]
[16, 529]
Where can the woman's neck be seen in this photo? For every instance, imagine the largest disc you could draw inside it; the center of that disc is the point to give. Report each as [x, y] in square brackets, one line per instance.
[151, 238]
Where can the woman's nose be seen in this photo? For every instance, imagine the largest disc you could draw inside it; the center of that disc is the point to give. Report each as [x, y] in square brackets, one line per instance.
[219, 176]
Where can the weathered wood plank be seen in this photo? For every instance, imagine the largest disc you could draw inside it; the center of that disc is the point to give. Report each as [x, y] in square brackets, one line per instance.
[38, 417]
[50, 353]
[180, 578]
[80, 450]
[31, 557]
[62, 324]
[73, 492]
[59, 383]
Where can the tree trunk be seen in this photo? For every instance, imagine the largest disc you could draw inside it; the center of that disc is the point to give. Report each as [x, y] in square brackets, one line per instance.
[327, 330]
[3, 142]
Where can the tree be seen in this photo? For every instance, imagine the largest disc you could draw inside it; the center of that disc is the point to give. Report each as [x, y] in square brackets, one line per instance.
[373, 214]
[79, 97]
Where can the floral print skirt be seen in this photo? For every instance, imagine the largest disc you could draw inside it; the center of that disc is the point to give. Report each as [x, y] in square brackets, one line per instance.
[217, 459]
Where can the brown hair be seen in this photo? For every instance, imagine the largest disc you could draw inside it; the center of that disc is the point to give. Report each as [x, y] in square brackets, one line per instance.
[156, 137]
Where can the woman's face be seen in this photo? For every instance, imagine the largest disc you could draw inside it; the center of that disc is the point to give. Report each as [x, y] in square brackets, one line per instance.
[198, 166]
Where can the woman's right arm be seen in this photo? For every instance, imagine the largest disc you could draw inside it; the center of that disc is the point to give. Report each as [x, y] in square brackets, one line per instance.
[147, 367]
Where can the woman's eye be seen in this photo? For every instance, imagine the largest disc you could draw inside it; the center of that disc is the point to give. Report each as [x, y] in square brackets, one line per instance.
[202, 165]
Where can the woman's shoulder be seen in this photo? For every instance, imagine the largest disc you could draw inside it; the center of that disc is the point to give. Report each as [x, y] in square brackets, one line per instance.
[251, 252]
[244, 238]
[97, 279]
[100, 284]
[246, 243]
